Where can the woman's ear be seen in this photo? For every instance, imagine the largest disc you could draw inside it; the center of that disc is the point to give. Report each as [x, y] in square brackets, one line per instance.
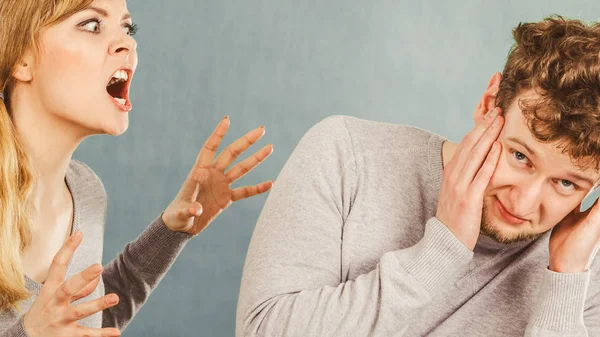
[24, 69]
[488, 100]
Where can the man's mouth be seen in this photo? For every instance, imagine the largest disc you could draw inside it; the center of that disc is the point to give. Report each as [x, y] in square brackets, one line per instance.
[118, 87]
[509, 217]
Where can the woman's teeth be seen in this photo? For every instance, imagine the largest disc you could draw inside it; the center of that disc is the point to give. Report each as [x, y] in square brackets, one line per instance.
[120, 100]
[119, 76]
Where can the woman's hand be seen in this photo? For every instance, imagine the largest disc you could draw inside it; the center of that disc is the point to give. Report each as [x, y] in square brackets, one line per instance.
[206, 191]
[52, 315]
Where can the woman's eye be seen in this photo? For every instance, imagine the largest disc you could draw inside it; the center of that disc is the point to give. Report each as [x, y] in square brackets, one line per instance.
[92, 26]
[130, 29]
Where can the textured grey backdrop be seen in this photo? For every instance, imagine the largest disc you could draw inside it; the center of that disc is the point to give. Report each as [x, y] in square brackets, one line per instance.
[285, 64]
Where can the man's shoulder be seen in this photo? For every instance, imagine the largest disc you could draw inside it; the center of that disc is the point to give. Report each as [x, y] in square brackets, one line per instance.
[370, 136]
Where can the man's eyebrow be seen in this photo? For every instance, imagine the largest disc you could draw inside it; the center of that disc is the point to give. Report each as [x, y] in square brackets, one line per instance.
[104, 13]
[522, 143]
[580, 177]
[533, 154]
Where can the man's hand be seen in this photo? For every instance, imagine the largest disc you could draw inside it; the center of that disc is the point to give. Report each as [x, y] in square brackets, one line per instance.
[575, 241]
[466, 177]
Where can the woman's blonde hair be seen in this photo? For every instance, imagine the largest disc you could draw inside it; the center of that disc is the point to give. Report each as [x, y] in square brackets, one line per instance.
[20, 24]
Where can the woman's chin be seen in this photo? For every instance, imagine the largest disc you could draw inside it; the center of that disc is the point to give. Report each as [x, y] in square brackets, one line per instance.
[117, 126]
[117, 131]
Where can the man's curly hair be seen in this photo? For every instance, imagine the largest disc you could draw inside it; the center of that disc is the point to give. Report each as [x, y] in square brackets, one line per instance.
[560, 59]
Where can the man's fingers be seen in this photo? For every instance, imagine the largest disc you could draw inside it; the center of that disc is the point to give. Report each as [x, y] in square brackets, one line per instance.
[68, 289]
[58, 268]
[486, 171]
[83, 310]
[471, 139]
[479, 153]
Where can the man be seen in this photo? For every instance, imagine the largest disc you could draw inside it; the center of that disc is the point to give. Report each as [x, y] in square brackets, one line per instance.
[375, 229]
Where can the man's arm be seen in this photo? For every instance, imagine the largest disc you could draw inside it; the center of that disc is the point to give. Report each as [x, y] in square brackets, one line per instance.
[292, 283]
[561, 308]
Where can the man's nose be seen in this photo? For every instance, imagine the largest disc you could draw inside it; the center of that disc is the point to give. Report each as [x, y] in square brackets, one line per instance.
[526, 197]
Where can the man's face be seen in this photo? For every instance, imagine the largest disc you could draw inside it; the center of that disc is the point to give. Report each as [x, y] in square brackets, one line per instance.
[534, 186]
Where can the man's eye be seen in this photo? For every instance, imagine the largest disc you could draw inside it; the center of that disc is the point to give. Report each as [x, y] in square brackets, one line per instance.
[519, 156]
[568, 183]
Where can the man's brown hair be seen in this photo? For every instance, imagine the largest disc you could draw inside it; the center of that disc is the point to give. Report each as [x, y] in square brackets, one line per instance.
[560, 59]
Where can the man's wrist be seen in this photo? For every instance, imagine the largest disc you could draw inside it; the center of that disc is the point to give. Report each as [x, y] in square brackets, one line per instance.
[561, 301]
[568, 268]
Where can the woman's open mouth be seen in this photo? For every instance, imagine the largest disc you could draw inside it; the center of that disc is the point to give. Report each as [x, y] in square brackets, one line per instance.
[118, 88]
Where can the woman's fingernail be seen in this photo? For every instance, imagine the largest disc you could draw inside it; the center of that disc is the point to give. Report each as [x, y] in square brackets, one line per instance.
[112, 299]
[97, 270]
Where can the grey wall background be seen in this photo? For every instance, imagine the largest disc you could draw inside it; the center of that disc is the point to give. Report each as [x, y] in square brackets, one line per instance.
[286, 65]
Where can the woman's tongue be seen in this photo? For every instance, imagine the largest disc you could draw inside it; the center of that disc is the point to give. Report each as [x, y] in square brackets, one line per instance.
[115, 92]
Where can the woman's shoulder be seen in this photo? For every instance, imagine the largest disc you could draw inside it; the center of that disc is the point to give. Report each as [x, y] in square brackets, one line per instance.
[81, 175]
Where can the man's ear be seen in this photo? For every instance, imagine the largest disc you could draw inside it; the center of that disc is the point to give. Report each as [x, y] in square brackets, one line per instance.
[488, 100]
[24, 69]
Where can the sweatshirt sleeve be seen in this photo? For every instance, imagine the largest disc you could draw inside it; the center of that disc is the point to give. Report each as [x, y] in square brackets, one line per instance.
[561, 307]
[17, 330]
[292, 283]
[136, 271]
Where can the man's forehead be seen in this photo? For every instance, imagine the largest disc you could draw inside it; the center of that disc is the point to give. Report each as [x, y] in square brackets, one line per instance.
[516, 129]
[550, 156]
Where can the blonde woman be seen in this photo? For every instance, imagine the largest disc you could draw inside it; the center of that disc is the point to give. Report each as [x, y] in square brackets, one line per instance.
[65, 70]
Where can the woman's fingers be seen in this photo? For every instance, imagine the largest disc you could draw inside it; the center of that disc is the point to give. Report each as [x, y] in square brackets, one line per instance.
[83, 310]
[250, 191]
[58, 267]
[230, 154]
[249, 164]
[88, 289]
[97, 332]
[191, 210]
[207, 154]
[68, 289]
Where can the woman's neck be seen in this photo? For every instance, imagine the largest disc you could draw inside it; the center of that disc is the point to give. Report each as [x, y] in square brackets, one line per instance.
[49, 142]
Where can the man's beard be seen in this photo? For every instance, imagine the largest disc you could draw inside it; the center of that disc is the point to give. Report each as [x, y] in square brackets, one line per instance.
[488, 229]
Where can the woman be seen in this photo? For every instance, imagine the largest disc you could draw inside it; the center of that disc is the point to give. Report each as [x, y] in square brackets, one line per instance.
[66, 66]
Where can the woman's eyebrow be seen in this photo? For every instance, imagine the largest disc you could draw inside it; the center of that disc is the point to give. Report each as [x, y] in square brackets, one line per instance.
[104, 13]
